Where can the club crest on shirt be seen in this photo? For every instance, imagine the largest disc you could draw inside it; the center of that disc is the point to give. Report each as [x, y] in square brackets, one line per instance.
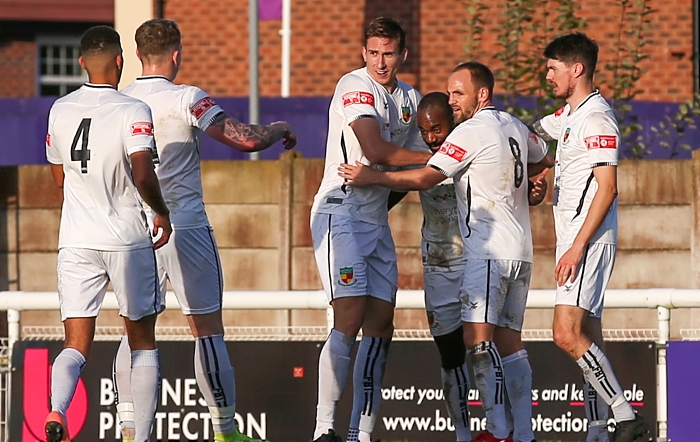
[566, 135]
[405, 114]
[347, 276]
[452, 151]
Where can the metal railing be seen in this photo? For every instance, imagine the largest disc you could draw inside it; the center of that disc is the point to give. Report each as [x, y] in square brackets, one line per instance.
[663, 300]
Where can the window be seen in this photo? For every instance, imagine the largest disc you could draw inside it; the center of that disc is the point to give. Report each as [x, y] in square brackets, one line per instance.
[59, 71]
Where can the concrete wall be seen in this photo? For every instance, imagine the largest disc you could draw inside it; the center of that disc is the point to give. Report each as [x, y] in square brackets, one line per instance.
[260, 214]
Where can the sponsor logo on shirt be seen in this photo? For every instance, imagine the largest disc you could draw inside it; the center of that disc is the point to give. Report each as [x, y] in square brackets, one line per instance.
[48, 139]
[358, 98]
[453, 151]
[347, 276]
[601, 142]
[202, 106]
[142, 128]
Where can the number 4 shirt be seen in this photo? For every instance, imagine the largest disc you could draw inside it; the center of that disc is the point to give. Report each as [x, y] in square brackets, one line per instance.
[92, 133]
[488, 155]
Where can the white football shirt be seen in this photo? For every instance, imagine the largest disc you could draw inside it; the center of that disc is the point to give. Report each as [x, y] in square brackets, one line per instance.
[442, 246]
[357, 96]
[487, 155]
[587, 137]
[92, 132]
[180, 114]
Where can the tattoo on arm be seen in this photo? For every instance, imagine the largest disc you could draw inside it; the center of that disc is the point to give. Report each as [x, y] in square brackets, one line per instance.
[261, 136]
[539, 130]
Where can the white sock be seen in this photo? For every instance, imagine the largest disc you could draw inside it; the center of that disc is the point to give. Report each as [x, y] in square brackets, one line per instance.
[121, 375]
[455, 386]
[215, 378]
[596, 413]
[597, 370]
[488, 377]
[145, 387]
[518, 376]
[333, 368]
[64, 378]
[368, 374]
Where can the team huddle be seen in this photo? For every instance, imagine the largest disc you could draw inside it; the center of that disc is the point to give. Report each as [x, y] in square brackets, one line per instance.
[133, 216]
[490, 167]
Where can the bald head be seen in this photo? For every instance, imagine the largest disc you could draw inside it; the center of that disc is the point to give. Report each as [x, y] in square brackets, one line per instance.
[434, 118]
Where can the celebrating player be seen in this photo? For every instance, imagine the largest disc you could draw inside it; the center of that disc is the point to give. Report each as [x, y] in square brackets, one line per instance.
[585, 218]
[486, 154]
[191, 260]
[443, 266]
[100, 146]
[371, 114]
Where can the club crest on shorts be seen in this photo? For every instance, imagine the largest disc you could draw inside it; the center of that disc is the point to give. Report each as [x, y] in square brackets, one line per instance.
[431, 318]
[347, 276]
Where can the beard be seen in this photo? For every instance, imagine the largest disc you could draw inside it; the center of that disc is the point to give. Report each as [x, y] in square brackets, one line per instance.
[565, 93]
[466, 113]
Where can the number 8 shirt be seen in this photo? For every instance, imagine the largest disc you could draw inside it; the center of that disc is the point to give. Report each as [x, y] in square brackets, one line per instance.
[488, 155]
[92, 132]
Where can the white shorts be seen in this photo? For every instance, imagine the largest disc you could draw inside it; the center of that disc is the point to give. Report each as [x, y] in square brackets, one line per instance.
[442, 300]
[190, 260]
[354, 258]
[592, 276]
[494, 291]
[83, 276]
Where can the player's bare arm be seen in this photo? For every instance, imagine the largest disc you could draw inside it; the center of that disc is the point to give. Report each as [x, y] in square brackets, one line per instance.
[535, 169]
[539, 130]
[146, 181]
[537, 188]
[606, 177]
[380, 151]
[360, 175]
[58, 174]
[250, 137]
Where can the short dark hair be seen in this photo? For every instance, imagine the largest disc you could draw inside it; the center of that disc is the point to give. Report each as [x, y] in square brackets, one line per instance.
[435, 100]
[100, 39]
[574, 48]
[386, 27]
[158, 37]
[481, 75]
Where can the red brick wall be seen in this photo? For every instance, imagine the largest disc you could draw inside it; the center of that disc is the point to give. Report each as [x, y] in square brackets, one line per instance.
[17, 68]
[327, 37]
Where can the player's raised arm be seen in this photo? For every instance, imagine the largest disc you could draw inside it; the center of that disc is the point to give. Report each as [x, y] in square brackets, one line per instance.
[250, 137]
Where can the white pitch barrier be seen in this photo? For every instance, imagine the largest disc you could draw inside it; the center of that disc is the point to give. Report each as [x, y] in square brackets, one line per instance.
[661, 299]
